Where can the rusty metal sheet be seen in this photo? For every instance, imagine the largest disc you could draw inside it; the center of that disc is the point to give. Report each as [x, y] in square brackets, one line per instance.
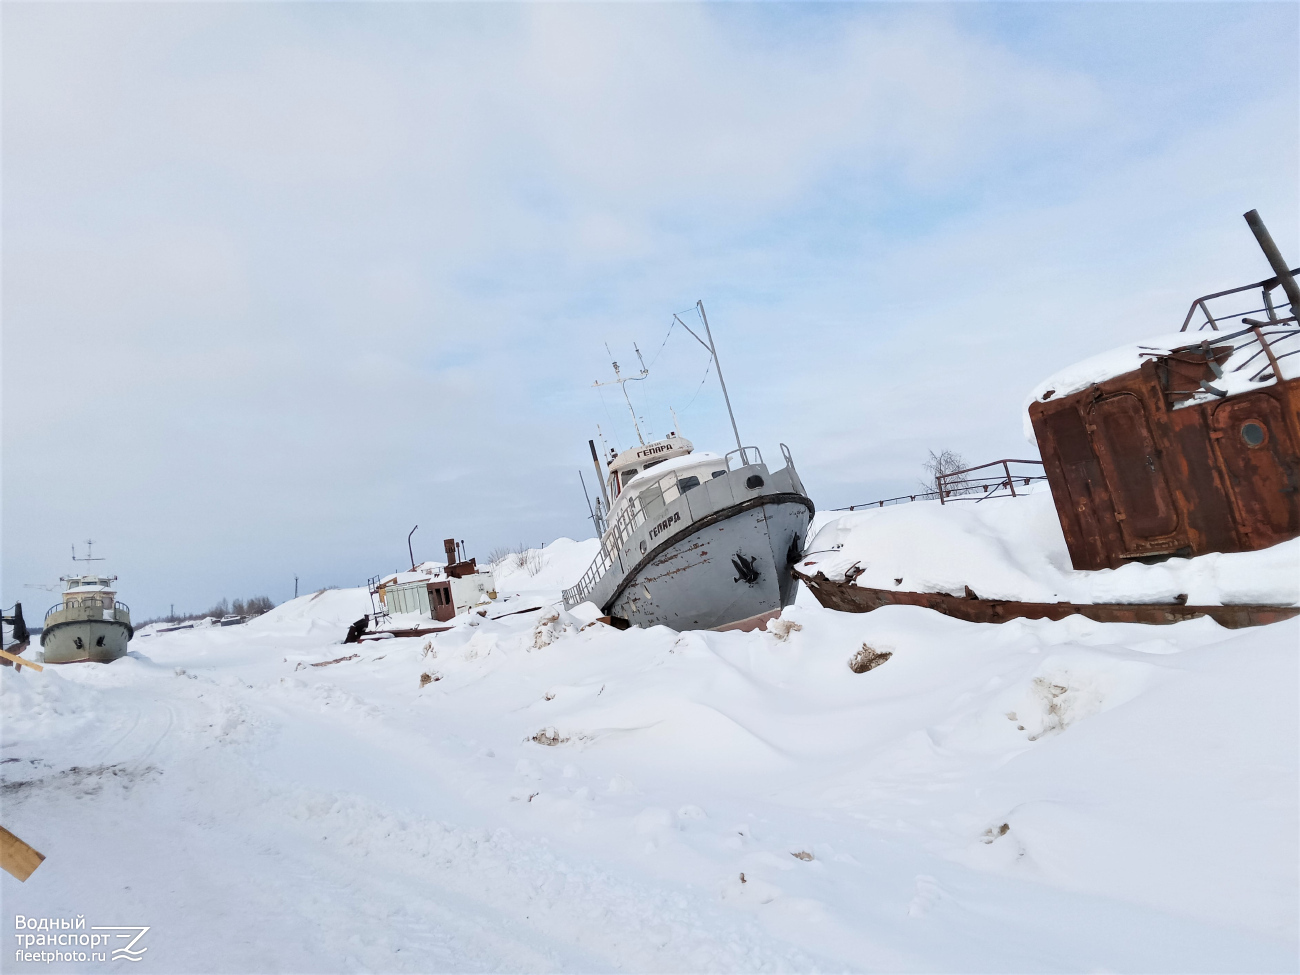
[1133, 478]
[848, 598]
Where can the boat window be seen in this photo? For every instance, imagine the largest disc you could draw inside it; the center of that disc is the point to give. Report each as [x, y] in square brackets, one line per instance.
[652, 499]
[718, 473]
[628, 475]
[686, 483]
[653, 462]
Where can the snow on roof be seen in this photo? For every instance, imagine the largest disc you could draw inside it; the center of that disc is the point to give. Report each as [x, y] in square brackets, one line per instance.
[703, 458]
[1241, 372]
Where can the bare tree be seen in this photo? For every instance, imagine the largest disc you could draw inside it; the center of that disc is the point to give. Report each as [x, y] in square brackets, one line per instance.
[942, 463]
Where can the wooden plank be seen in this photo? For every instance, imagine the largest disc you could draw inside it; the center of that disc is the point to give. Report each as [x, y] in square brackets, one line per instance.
[19, 661]
[17, 857]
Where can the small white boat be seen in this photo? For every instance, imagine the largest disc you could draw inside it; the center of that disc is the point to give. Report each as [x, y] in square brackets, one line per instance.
[89, 624]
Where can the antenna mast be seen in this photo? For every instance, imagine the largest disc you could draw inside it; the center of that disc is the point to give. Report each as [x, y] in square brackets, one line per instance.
[89, 553]
[620, 380]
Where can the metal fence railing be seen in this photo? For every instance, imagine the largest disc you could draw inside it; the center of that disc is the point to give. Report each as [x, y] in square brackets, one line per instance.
[970, 483]
[966, 485]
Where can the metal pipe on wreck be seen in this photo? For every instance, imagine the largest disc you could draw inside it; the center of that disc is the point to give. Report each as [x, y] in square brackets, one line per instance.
[1274, 256]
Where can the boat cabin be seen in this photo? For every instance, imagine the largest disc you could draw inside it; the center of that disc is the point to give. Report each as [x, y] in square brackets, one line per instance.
[637, 460]
[82, 589]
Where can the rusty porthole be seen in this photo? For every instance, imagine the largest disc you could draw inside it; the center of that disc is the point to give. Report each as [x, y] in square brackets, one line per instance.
[1253, 433]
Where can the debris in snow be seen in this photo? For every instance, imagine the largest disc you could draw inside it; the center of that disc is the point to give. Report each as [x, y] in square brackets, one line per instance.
[802, 855]
[868, 659]
[547, 631]
[781, 629]
[548, 736]
[993, 832]
[336, 660]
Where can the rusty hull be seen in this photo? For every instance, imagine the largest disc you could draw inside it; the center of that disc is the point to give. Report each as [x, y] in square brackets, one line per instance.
[1134, 478]
[848, 598]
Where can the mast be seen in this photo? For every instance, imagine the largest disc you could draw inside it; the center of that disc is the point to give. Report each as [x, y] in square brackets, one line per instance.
[595, 522]
[600, 478]
[1275, 261]
[713, 351]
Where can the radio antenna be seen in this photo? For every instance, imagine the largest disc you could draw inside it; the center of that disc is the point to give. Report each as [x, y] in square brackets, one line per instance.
[621, 380]
[89, 553]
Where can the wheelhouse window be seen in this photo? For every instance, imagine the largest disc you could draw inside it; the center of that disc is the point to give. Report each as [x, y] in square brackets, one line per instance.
[686, 483]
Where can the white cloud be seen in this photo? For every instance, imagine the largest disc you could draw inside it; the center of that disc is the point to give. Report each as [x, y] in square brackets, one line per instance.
[323, 271]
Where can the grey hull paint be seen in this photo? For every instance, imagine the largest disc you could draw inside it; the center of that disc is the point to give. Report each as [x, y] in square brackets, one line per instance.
[693, 584]
[60, 641]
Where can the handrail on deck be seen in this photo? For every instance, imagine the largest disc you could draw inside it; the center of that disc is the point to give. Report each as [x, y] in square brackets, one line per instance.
[1266, 287]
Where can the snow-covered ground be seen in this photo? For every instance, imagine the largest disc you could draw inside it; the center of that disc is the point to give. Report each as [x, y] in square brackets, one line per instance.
[537, 793]
[1012, 548]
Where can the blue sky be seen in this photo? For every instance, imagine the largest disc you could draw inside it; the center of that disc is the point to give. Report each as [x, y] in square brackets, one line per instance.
[281, 281]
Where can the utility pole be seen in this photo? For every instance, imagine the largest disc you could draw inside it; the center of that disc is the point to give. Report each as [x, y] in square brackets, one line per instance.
[409, 550]
[295, 586]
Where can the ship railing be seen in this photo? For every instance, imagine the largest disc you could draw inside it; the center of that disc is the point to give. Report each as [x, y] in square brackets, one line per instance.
[743, 455]
[87, 605]
[628, 521]
[1229, 307]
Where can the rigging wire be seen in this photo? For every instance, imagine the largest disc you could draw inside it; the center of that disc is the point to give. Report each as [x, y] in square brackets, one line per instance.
[605, 406]
[665, 341]
[684, 311]
[701, 385]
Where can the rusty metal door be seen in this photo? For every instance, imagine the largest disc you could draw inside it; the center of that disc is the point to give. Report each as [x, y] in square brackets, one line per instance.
[1251, 439]
[440, 601]
[1121, 437]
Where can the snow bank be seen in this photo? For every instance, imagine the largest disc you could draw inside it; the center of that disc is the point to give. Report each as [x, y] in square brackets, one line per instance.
[326, 607]
[1012, 548]
[554, 567]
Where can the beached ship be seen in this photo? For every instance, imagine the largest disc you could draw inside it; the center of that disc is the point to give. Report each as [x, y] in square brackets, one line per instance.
[89, 623]
[694, 540]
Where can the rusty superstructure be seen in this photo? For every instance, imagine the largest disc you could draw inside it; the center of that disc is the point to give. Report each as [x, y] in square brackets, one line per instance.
[1195, 446]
